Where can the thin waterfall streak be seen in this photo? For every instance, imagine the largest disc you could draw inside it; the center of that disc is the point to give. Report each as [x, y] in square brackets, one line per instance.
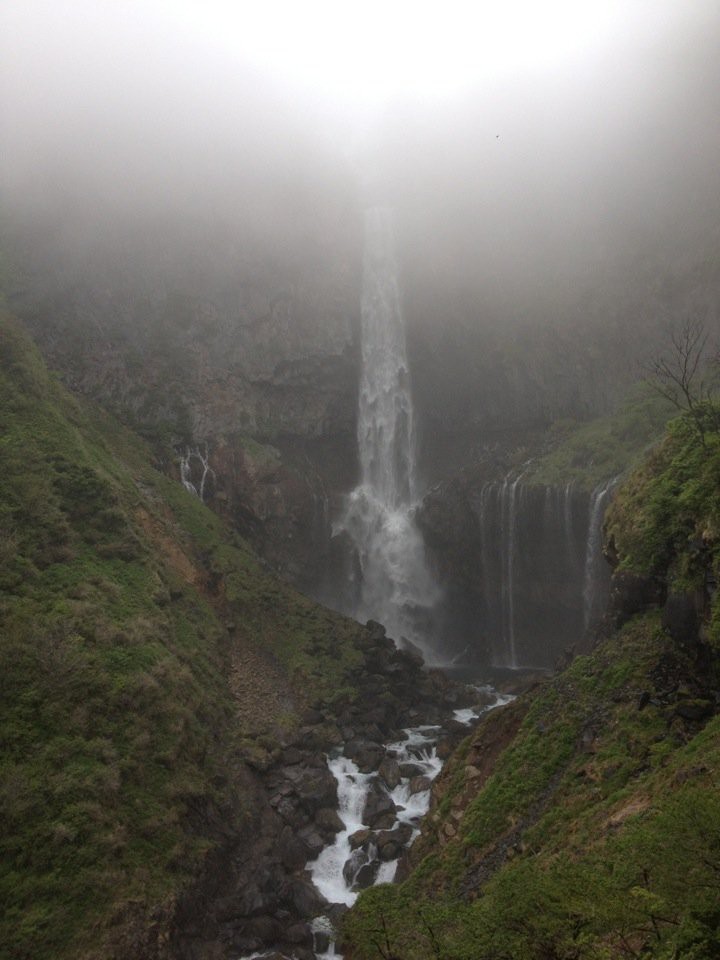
[504, 555]
[186, 472]
[568, 524]
[512, 544]
[596, 511]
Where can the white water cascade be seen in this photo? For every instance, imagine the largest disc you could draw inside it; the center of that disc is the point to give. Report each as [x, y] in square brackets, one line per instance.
[593, 555]
[543, 578]
[396, 586]
[203, 472]
[329, 872]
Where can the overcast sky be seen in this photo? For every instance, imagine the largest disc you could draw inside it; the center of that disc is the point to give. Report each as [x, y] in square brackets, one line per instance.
[518, 130]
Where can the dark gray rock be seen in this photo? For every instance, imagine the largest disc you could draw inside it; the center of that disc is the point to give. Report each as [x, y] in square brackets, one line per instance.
[305, 898]
[312, 841]
[410, 770]
[291, 849]
[379, 807]
[696, 710]
[317, 788]
[419, 784]
[359, 838]
[366, 875]
[389, 773]
[682, 617]
[328, 821]
[264, 928]
[299, 934]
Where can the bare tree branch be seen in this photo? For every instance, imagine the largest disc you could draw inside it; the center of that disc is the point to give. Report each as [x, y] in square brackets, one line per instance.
[678, 375]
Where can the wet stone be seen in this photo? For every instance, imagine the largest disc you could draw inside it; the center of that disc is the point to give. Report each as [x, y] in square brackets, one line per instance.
[328, 820]
[366, 875]
[419, 785]
[410, 770]
[389, 772]
[378, 807]
[359, 838]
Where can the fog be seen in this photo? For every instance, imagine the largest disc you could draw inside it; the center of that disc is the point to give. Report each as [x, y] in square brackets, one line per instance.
[532, 168]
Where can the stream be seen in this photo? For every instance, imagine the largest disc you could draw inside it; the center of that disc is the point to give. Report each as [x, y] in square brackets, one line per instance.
[381, 812]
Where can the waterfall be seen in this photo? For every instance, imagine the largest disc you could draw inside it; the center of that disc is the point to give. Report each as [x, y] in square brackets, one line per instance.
[593, 554]
[568, 522]
[542, 578]
[186, 471]
[510, 592]
[396, 586]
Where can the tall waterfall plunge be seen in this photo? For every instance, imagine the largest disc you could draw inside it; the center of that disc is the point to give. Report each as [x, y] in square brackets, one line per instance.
[396, 587]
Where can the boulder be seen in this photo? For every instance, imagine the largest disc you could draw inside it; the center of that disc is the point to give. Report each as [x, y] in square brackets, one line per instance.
[312, 841]
[264, 928]
[697, 709]
[354, 863]
[410, 770]
[379, 809]
[359, 838]
[366, 875]
[328, 821]
[299, 934]
[316, 788]
[682, 617]
[291, 849]
[305, 897]
[419, 784]
[389, 773]
[368, 756]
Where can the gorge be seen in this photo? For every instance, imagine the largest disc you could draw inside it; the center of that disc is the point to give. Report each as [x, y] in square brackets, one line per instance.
[359, 498]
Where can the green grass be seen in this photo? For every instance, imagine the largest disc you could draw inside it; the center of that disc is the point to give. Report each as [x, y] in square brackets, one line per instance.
[590, 453]
[573, 885]
[116, 716]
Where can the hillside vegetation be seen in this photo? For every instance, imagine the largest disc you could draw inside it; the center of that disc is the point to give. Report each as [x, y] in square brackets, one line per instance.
[147, 655]
[583, 820]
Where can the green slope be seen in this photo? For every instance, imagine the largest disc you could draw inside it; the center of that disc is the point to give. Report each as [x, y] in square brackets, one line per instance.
[583, 820]
[126, 617]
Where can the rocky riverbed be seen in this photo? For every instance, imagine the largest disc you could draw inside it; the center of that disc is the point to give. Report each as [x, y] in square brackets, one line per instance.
[344, 801]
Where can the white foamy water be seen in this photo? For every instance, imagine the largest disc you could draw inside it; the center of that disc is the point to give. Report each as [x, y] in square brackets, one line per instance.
[353, 787]
[397, 588]
[186, 470]
[419, 749]
[327, 870]
[468, 714]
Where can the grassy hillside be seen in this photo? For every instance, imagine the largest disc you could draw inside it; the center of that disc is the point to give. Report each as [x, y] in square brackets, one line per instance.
[145, 653]
[583, 820]
[593, 452]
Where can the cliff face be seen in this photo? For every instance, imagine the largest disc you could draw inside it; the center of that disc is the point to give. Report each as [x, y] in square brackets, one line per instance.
[241, 345]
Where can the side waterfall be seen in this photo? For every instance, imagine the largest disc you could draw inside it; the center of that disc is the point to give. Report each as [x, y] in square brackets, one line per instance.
[593, 554]
[195, 481]
[396, 587]
[542, 576]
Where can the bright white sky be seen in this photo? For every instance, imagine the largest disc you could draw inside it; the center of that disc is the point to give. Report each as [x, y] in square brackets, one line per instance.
[371, 50]
[355, 52]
